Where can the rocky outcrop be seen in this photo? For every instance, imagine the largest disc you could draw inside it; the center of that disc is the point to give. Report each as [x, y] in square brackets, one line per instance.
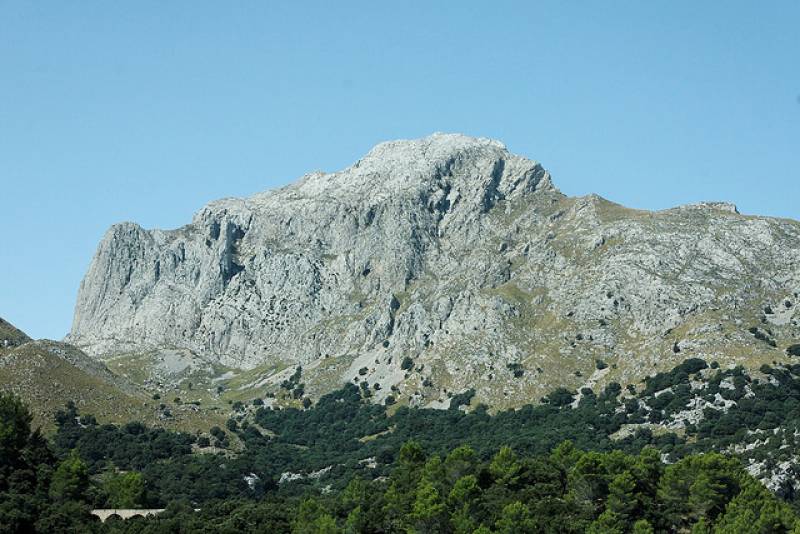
[458, 254]
[11, 336]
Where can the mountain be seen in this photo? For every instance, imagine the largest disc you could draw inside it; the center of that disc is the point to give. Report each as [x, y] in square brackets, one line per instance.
[437, 265]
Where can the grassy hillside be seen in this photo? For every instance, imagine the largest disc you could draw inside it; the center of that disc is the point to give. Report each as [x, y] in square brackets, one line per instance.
[10, 336]
[48, 374]
[46, 381]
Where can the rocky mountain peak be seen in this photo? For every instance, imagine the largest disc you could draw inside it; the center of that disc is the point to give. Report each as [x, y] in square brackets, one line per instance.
[453, 254]
[713, 205]
[405, 165]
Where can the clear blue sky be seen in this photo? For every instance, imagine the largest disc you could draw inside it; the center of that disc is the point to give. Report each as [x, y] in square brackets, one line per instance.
[144, 111]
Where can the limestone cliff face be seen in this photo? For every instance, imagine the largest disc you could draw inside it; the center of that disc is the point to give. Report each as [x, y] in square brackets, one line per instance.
[458, 254]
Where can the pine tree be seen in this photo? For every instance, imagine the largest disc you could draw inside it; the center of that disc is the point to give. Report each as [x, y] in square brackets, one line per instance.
[516, 518]
[621, 496]
[428, 509]
[460, 462]
[643, 526]
[126, 491]
[505, 466]
[70, 480]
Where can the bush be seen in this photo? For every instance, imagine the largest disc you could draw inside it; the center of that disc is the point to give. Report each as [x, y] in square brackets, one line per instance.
[516, 369]
[559, 397]
[462, 399]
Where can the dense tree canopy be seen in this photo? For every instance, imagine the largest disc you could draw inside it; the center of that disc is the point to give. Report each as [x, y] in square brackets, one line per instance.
[347, 465]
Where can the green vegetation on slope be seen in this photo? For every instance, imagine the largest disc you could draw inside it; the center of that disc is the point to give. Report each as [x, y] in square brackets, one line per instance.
[458, 490]
[665, 455]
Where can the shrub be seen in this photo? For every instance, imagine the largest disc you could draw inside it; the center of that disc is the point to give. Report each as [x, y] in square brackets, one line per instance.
[516, 369]
[462, 399]
[559, 397]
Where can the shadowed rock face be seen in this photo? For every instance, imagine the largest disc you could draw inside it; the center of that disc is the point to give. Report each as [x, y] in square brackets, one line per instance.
[454, 252]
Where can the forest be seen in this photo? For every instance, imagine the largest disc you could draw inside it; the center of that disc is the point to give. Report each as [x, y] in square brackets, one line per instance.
[614, 461]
